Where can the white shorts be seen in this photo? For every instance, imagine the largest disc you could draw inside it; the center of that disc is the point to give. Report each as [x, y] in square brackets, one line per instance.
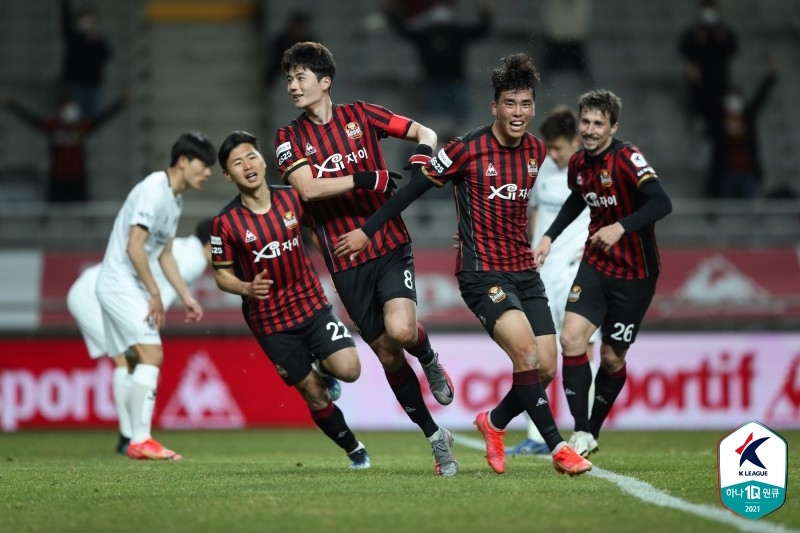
[85, 309]
[557, 283]
[125, 320]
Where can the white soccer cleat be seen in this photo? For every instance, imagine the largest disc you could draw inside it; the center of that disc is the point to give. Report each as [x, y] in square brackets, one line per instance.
[583, 443]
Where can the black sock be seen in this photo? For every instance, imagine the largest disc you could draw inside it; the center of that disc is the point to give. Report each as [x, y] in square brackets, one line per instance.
[576, 377]
[606, 389]
[423, 350]
[531, 395]
[405, 385]
[331, 421]
[506, 411]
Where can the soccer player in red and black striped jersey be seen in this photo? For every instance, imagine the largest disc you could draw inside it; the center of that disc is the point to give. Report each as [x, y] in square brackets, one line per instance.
[257, 252]
[617, 277]
[332, 156]
[493, 169]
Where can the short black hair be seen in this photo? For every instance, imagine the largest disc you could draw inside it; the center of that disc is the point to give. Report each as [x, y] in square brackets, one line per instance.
[313, 56]
[603, 100]
[517, 73]
[561, 122]
[203, 230]
[234, 139]
[193, 145]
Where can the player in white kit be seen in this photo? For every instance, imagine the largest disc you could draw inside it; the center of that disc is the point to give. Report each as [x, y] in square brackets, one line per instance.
[193, 256]
[559, 131]
[131, 301]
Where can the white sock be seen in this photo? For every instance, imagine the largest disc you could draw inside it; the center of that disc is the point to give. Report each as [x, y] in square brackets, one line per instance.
[436, 436]
[143, 400]
[121, 386]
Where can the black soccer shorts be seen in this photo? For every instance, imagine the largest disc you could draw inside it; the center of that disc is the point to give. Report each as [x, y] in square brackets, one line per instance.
[617, 305]
[293, 350]
[364, 289]
[490, 294]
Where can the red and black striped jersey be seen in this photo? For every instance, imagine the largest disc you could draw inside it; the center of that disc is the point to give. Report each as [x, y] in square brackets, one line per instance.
[492, 184]
[250, 243]
[347, 144]
[609, 184]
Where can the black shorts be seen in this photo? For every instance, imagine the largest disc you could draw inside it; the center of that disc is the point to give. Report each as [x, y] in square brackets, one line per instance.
[293, 350]
[616, 305]
[364, 289]
[490, 294]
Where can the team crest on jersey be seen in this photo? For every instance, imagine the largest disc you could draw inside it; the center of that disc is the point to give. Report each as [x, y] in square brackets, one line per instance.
[490, 171]
[310, 150]
[574, 294]
[353, 130]
[496, 294]
[533, 168]
[248, 236]
[605, 178]
[579, 180]
[289, 220]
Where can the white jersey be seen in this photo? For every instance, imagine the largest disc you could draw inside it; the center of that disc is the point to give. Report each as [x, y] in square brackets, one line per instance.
[548, 195]
[561, 265]
[153, 205]
[123, 297]
[85, 308]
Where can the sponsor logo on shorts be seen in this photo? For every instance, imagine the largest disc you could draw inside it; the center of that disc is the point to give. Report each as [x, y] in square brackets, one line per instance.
[496, 294]
[282, 371]
[574, 293]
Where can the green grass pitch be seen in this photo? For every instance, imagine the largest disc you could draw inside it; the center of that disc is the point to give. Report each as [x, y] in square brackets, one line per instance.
[297, 480]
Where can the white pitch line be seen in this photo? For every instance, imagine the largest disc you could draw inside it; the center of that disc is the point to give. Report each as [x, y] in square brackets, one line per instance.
[650, 494]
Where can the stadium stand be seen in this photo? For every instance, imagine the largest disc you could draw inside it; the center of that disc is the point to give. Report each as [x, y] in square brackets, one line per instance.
[204, 72]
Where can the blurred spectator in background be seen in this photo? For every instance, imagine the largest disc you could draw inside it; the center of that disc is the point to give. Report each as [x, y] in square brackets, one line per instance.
[736, 170]
[85, 55]
[66, 132]
[297, 30]
[441, 44]
[565, 25]
[707, 46]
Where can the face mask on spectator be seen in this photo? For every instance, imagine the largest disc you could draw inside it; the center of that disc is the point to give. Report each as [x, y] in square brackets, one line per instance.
[734, 103]
[70, 113]
[709, 16]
